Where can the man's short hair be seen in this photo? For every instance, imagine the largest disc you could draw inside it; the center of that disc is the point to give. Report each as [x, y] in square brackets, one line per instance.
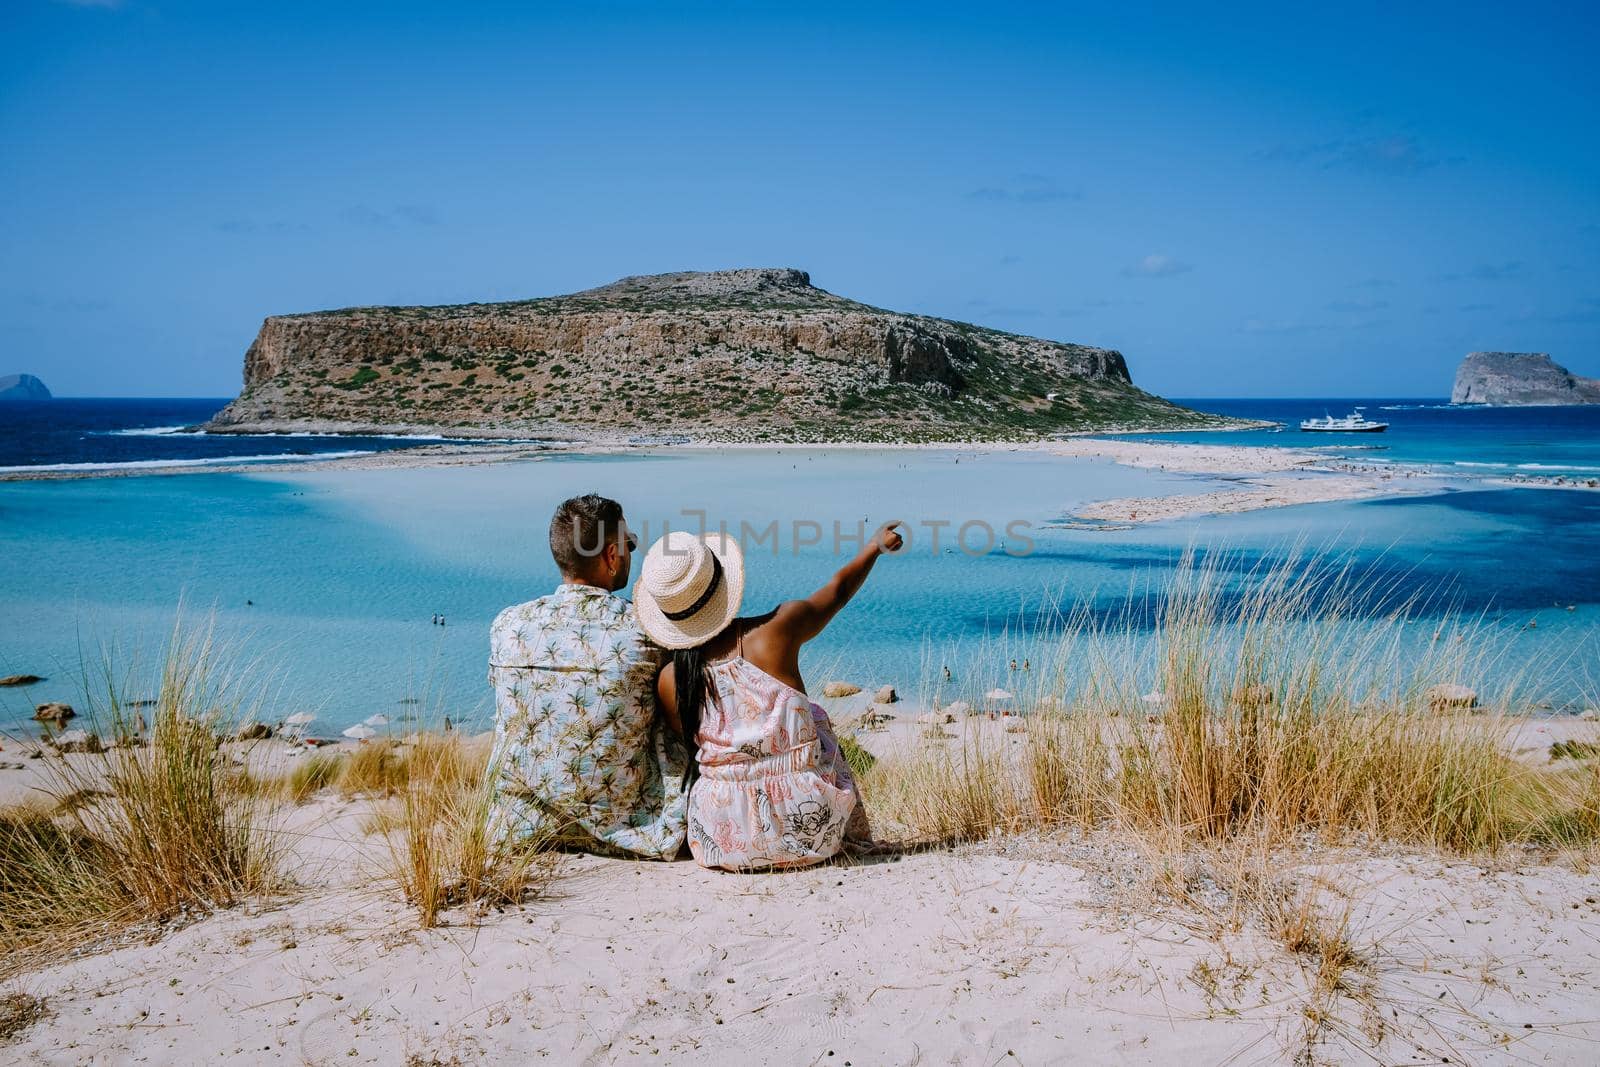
[580, 530]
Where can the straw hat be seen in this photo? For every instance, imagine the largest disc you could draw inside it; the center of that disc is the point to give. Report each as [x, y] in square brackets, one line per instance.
[689, 588]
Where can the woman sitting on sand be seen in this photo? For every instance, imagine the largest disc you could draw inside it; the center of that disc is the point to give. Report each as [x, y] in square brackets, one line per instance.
[773, 789]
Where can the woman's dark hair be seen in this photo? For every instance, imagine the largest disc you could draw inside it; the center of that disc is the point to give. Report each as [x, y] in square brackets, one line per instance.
[689, 680]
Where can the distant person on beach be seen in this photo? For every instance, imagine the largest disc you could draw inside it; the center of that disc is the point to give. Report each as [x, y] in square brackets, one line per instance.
[579, 757]
[772, 787]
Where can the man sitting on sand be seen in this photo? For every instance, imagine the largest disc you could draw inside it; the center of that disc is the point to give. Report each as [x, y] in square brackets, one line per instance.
[579, 758]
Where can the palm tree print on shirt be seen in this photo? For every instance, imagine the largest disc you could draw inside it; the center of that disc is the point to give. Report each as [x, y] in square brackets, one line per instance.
[577, 750]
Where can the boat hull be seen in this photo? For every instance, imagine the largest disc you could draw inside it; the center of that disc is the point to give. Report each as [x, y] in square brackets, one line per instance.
[1345, 429]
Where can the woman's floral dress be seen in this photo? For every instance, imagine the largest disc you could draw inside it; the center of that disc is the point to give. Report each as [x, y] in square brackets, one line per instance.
[578, 754]
[774, 789]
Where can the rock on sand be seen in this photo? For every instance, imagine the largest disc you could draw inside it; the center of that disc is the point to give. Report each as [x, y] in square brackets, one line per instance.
[1442, 698]
[839, 689]
[78, 741]
[54, 712]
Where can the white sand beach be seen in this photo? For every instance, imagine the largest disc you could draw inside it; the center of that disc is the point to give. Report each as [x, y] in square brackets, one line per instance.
[1029, 948]
[1257, 478]
[1031, 952]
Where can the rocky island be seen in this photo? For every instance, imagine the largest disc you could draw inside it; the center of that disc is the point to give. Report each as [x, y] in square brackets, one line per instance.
[1520, 378]
[22, 387]
[736, 355]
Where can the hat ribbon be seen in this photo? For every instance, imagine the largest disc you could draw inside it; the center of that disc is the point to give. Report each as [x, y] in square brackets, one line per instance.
[703, 598]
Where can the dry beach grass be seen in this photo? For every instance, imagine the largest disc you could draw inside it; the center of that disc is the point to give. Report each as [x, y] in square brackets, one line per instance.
[138, 833]
[429, 801]
[1293, 701]
[171, 822]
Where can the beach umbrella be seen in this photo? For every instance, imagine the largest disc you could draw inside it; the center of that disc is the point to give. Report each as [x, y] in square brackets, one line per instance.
[294, 727]
[360, 731]
[379, 719]
[997, 695]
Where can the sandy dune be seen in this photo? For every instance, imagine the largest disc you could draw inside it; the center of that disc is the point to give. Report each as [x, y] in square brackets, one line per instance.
[1025, 950]
[971, 957]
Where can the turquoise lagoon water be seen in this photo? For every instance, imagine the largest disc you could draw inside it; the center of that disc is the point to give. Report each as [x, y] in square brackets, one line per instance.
[326, 580]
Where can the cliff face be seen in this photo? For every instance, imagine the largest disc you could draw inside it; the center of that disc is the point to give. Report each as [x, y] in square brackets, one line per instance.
[1520, 378]
[726, 355]
[22, 387]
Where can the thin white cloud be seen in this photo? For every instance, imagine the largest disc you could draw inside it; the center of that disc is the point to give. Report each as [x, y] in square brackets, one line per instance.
[1383, 154]
[1509, 271]
[76, 305]
[982, 306]
[1157, 265]
[1091, 305]
[1263, 326]
[248, 225]
[1583, 317]
[1026, 189]
[1281, 328]
[400, 214]
[1493, 272]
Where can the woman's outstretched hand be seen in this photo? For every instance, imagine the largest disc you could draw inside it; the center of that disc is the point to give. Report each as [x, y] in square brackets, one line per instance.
[888, 540]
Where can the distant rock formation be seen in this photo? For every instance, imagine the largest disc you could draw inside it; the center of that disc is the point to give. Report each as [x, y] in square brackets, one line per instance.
[22, 387]
[1520, 378]
[751, 355]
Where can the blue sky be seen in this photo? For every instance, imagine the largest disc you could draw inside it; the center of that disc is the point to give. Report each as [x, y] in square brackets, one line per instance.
[1247, 201]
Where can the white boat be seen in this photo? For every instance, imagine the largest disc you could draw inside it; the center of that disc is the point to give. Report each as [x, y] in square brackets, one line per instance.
[1355, 422]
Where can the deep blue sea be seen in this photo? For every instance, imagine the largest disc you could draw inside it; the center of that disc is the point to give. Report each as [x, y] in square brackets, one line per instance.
[325, 581]
[68, 434]
[83, 433]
